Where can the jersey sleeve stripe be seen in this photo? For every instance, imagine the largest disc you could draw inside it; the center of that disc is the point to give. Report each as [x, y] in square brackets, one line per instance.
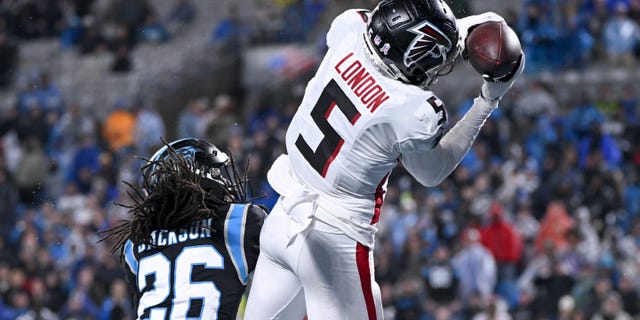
[129, 258]
[234, 227]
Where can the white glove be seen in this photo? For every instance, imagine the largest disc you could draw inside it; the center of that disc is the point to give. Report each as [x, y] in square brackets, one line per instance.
[467, 23]
[493, 90]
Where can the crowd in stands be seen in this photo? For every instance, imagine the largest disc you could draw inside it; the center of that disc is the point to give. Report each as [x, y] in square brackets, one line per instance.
[541, 220]
[558, 34]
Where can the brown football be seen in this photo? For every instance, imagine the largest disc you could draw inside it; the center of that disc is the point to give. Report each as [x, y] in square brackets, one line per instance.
[493, 49]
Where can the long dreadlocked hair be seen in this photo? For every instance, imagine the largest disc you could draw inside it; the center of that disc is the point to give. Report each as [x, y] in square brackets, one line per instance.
[174, 198]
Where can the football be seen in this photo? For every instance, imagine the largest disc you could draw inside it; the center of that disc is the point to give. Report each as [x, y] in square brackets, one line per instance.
[493, 49]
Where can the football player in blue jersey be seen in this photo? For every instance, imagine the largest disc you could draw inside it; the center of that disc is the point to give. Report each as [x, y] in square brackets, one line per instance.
[192, 239]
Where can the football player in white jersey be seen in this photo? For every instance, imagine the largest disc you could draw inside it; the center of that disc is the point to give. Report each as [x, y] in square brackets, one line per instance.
[367, 109]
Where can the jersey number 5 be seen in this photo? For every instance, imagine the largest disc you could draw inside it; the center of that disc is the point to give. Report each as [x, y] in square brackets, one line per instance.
[329, 147]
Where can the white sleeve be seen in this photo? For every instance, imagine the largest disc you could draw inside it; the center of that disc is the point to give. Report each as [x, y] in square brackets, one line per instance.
[431, 167]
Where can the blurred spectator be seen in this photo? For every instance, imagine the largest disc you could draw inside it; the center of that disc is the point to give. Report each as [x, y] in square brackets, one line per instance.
[538, 36]
[41, 300]
[591, 294]
[406, 219]
[566, 308]
[554, 227]
[550, 285]
[476, 269]
[576, 42]
[8, 56]
[589, 246]
[611, 308]
[629, 295]
[85, 164]
[631, 198]
[130, 13]
[496, 309]
[72, 32]
[599, 148]
[120, 42]
[79, 307]
[32, 125]
[221, 121]
[37, 20]
[182, 13]
[504, 242]
[584, 115]
[9, 200]
[152, 30]
[441, 283]
[407, 299]
[525, 224]
[149, 127]
[58, 291]
[191, 120]
[621, 36]
[117, 305]
[386, 294]
[85, 283]
[120, 37]
[122, 60]
[231, 34]
[41, 92]
[92, 41]
[31, 173]
[17, 306]
[119, 128]
[536, 101]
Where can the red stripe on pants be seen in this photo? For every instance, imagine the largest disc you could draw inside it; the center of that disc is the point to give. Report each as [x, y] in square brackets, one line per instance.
[362, 260]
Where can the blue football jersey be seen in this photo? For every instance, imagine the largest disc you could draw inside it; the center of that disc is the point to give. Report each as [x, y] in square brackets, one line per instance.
[197, 272]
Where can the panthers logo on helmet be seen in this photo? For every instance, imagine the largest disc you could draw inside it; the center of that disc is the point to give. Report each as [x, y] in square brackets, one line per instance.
[429, 41]
[187, 153]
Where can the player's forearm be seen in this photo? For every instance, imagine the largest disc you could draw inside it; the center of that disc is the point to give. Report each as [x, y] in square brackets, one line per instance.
[432, 167]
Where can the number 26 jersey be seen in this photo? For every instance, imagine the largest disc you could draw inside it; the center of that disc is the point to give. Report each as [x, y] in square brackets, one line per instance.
[197, 272]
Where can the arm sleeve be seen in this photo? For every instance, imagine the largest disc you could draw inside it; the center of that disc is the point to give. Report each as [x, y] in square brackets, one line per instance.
[431, 167]
[130, 279]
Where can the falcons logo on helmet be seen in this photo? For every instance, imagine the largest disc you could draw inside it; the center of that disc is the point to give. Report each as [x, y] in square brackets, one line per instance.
[429, 42]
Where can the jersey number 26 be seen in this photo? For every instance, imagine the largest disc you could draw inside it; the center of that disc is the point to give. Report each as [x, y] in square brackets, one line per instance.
[178, 281]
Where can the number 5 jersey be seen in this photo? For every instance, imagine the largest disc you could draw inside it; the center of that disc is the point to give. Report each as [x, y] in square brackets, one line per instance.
[200, 271]
[353, 126]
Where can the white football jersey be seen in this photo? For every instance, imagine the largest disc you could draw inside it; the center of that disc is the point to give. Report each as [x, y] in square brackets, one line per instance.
[354, 123]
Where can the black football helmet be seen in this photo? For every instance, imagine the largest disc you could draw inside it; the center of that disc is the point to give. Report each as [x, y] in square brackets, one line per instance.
[216, 169]
[414, 41]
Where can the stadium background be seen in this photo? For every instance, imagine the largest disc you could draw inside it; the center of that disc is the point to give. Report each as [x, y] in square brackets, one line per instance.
[540, 221]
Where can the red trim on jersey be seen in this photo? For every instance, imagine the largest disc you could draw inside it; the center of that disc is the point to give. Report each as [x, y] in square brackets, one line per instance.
[332, 157]
[379, 200]
[353, 121]
[363, 15]
[362, 260]
[328, 113]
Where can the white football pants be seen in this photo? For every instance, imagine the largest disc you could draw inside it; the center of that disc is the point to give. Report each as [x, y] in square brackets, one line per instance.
[321, 273]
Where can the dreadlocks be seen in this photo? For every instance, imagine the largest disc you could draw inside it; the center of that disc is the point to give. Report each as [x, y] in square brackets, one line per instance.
[174, 198]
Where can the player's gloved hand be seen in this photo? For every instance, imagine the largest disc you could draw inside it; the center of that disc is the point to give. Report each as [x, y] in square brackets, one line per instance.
[466, 24]
[493, 89]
